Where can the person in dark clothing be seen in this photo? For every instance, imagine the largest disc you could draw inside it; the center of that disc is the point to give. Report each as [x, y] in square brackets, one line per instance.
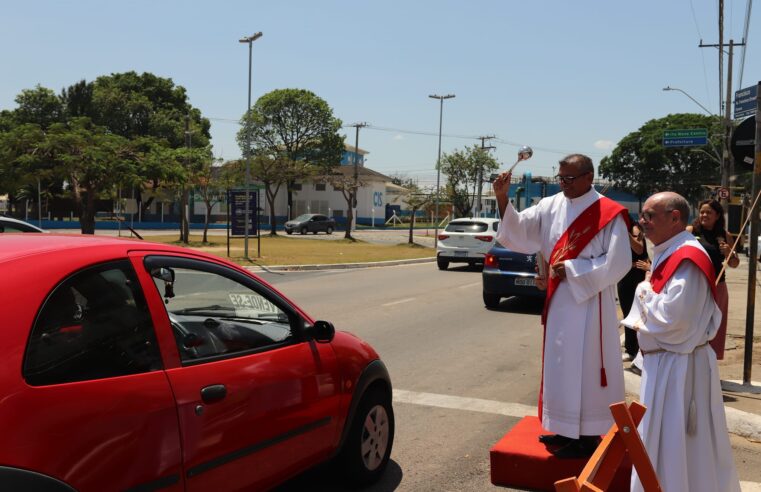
[709, 229]
[627, 285]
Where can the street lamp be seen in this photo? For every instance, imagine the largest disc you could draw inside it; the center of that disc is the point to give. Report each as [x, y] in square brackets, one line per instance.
[250, 40]
[669, 88]
[438, 167]
[725, 163]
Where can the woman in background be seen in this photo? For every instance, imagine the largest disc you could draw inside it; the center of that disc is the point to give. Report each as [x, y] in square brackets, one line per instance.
[710, 231]
[628, 284]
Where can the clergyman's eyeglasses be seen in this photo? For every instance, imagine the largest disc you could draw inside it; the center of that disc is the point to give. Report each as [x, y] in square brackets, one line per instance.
[569, 179]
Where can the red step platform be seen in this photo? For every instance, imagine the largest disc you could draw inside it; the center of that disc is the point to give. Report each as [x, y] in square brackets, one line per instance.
[519, 460]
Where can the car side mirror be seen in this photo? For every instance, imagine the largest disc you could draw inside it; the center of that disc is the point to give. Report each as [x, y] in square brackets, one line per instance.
[322, 331]
[167, 275]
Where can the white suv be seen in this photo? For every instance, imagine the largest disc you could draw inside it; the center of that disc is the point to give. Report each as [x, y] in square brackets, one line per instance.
[465, 241]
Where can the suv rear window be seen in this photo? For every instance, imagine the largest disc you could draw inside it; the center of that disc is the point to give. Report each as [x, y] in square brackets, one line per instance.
[470, 226]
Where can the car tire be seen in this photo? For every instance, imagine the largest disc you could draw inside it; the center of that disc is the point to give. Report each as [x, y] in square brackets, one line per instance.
[491, 301]
[315, 232]
[288, 231]
[367, 448]
[329, 230]
[442, 263]
[303, 230]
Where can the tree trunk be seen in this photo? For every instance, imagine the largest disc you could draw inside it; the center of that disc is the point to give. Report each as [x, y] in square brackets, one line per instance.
[349, 216]
[206, 222]
[184, 226]
[271, 201]
[412, 225]
[87, 213]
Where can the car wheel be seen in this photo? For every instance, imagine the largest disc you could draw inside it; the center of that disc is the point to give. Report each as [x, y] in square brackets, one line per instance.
[303, 230]
[442, 263]
[329, 230]
[491, 300]
[314, 232]
[288, 231]
[366, 451]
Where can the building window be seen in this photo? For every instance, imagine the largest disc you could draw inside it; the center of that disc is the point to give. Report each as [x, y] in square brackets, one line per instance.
[319, 186]
[296, 187]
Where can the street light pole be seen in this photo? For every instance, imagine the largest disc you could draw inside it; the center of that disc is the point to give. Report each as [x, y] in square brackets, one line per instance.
[250, 40]
[722, 157]
[438, 166]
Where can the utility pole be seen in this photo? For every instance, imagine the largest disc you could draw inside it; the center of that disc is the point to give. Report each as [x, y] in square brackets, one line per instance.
[753, 247]
[727, 167]
[355, 186]
[481, 172]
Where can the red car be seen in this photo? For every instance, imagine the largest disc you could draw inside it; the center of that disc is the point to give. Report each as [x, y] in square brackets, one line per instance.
[135, 366]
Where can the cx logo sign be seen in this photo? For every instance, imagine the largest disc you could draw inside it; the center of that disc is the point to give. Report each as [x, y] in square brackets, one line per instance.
[377, 199]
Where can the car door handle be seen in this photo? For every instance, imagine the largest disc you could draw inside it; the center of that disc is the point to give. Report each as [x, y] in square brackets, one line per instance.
[213, 393]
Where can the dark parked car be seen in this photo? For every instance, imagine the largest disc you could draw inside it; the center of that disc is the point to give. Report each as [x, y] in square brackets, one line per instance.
[507, 273]
[313, 223]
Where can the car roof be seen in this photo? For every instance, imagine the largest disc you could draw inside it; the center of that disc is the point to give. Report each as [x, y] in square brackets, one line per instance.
[11, 220]
[475, 219]
[15, 246]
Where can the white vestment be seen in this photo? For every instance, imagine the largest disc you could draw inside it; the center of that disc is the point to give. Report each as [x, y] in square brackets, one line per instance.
[689, 447]
[574, 401]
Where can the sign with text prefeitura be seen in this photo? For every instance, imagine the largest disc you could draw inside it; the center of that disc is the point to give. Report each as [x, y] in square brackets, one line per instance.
[691, 137]
[745, 102]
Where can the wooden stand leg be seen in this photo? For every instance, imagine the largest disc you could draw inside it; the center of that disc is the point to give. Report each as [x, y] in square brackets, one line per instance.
[598, 474]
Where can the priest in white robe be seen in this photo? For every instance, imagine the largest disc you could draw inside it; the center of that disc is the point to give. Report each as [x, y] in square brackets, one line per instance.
[684, 428]
[580, 348]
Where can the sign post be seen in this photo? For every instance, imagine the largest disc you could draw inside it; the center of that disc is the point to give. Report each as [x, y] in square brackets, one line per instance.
[691, 137]
[753, 253]
[236, 202]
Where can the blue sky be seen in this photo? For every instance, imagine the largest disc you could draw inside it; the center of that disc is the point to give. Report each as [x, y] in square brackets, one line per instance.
[557, 75]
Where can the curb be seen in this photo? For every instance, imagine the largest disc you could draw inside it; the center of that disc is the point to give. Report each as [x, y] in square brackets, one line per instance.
[739, 423]
[337, 266]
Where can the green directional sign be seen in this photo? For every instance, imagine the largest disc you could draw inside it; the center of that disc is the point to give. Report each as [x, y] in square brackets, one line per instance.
[690, 137]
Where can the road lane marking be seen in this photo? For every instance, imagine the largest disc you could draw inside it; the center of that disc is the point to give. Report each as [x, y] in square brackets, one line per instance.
[468, 286]
[402, 301]
[462, 403]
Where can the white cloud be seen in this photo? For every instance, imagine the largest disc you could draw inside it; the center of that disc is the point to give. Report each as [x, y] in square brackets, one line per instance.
[604, 144]
[398, 137]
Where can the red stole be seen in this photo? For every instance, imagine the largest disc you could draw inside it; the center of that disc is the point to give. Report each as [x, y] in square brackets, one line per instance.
[666, 269]
[578, 235]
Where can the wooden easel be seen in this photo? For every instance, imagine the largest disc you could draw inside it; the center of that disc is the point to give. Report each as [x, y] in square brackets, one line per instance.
[622, 437]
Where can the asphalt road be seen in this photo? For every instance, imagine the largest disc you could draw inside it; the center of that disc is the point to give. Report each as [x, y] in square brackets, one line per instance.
[447, 355]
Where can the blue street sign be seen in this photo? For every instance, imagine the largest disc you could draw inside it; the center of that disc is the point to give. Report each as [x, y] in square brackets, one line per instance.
[693, 137]
[745, 102]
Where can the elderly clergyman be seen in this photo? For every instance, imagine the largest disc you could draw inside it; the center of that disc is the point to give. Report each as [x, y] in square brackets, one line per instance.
[684, 429]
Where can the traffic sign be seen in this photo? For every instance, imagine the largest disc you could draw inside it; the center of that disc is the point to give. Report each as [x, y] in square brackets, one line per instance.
[692, 137]
[744, 142]
[745, 102]
[723, 193]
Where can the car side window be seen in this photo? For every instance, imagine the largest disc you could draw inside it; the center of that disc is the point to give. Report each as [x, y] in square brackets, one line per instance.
[213, 315]
[495, 225]
[94, 325]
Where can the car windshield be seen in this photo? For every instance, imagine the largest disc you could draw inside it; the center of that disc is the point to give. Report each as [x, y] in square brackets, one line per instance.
[302, 218]
[467, 226]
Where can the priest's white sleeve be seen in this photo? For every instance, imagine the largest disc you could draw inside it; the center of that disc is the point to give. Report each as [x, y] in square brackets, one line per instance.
[521, 231]
[684, 310]
[588, 276]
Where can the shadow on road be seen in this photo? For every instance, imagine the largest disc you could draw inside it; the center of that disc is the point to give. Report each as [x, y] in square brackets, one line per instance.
[328, 478]
[522, 305]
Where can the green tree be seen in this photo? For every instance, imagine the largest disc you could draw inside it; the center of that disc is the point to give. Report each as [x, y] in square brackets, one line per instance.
[289, 126]
[210, 186]
[90, 159]
[39, 106]
[641, 165]
[415, 199]
[464, 169]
